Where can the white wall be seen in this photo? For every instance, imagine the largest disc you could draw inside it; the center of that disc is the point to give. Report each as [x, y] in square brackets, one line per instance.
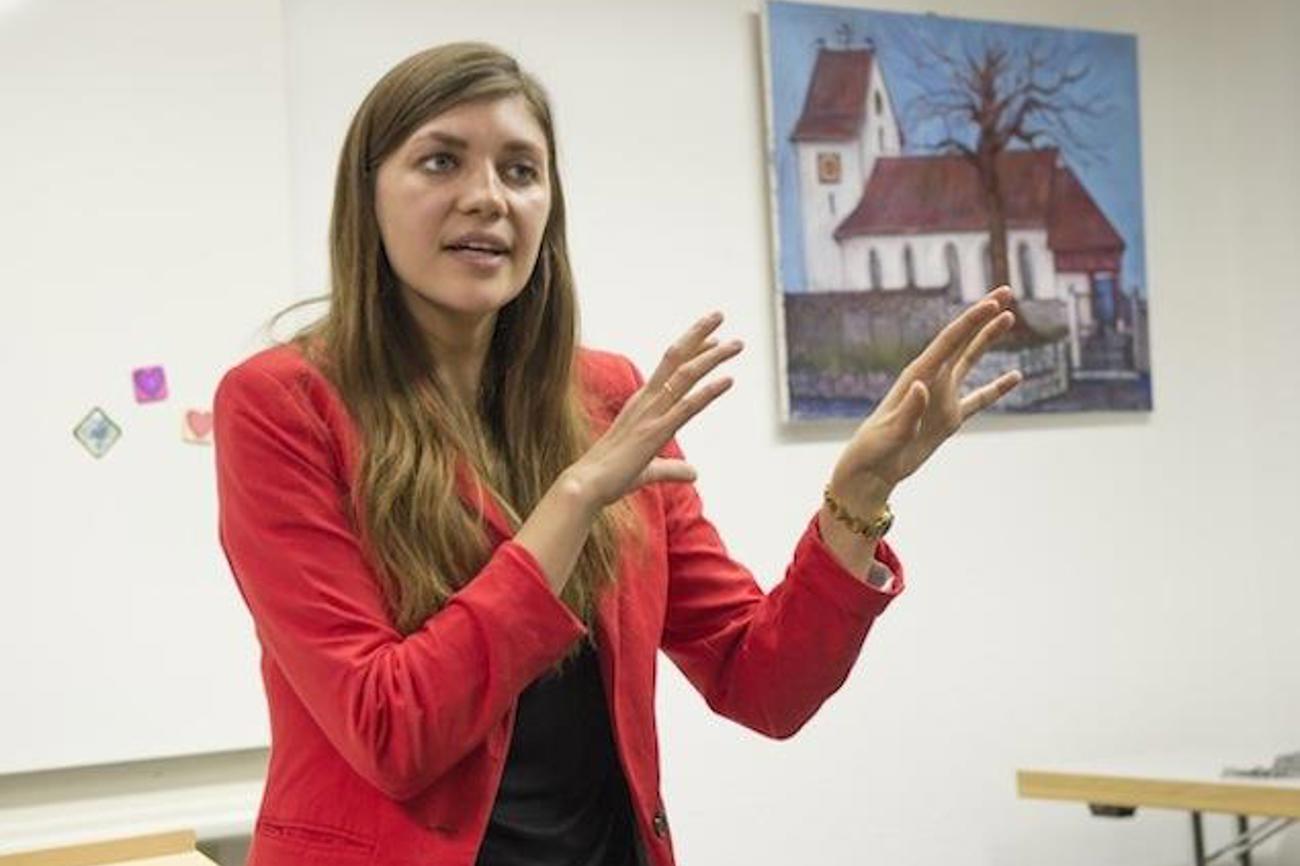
[1079, 587]
[143, 220]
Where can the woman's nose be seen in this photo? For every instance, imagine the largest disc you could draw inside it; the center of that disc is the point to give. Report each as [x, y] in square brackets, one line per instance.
[483, 192]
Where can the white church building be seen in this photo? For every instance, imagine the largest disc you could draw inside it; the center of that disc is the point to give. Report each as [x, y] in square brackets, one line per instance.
[877, 220]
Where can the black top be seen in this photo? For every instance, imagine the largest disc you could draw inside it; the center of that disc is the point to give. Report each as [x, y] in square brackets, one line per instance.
[563, 798]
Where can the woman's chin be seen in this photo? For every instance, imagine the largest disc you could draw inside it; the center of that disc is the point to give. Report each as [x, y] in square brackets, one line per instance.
[461, 302]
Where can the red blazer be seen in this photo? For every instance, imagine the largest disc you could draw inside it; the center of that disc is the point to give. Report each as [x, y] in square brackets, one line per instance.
[388, 750]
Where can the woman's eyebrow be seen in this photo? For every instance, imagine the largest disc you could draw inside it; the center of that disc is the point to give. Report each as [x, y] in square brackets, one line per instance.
[444, 138]
[517, 145]
[514, 145]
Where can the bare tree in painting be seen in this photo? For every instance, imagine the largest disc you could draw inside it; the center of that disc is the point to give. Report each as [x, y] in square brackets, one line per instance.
[994, 96]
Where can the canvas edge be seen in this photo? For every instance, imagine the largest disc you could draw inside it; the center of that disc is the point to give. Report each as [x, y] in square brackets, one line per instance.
[773, 212]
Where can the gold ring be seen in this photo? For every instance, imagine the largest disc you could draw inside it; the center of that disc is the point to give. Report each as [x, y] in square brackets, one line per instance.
[669, 388]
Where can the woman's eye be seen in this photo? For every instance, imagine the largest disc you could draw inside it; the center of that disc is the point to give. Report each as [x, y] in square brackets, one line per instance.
[521, 172]
[440, 162]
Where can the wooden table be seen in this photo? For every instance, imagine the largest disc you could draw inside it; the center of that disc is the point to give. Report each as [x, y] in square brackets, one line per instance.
[1194, 785]
[162, 849]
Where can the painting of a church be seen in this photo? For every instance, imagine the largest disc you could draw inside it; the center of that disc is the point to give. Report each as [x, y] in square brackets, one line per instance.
[902, 202]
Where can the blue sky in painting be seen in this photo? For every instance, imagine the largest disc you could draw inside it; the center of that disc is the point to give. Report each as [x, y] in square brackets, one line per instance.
[1115, 180]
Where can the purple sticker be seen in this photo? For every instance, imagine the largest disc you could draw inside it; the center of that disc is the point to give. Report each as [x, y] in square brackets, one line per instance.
[150, 384]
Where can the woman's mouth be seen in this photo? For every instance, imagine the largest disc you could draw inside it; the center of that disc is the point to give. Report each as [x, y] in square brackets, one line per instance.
[479, 255]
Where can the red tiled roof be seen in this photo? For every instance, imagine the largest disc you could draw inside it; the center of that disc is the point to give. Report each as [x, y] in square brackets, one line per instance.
[926, 194]
[921, 194]
[1075, 223]
[836, 104]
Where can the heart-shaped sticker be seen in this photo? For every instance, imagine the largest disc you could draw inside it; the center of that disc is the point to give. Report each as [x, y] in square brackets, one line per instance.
[150, 384]
[200, 423]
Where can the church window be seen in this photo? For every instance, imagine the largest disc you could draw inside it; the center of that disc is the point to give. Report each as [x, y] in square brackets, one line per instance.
[873, 269]
[909, 266]
[879, 104]
[1026, 269]
[954, 270]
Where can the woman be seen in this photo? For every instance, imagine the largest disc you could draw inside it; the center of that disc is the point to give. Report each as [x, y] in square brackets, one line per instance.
[463, 539]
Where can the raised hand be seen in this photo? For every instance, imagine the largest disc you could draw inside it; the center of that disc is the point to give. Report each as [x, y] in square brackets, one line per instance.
[624, 458]
[925, 406]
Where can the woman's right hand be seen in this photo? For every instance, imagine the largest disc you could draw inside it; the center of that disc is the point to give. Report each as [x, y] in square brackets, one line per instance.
[623, 459]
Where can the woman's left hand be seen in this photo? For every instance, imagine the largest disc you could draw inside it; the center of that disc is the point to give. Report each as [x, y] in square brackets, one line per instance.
[924, 407]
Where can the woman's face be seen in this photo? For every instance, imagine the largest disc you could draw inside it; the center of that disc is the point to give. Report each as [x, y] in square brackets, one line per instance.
[462, 205]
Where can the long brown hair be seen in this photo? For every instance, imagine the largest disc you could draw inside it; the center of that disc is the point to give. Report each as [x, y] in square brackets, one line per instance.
[531, 421]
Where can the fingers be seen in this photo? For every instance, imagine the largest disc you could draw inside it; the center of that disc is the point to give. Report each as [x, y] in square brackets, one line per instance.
[982, 398]
[911, 412]
[976, 348]
[684, 377]
[668, 392]
[693, 403]
[683, 349]
[664, 469]
[959, 332]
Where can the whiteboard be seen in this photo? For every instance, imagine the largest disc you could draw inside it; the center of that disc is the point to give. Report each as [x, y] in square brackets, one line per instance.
[144, 221]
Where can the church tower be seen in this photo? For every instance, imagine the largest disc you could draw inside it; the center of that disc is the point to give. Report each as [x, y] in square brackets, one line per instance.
[848, 121]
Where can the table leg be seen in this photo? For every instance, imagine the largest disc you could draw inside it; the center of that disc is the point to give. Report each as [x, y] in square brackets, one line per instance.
[1246, 841]
[1198, 840]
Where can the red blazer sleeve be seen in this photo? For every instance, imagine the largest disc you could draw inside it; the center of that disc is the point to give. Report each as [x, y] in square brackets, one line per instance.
[400, 710]
[767, 661]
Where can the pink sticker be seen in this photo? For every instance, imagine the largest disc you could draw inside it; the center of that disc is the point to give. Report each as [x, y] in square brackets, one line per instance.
[197, 427]
[150, 384]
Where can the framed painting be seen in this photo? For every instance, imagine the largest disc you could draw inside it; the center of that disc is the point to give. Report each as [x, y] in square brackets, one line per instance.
[916, 162]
